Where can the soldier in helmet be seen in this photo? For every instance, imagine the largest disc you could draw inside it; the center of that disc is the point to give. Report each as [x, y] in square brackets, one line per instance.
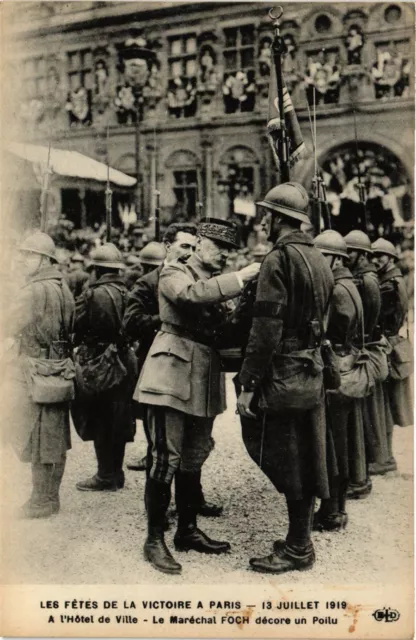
[344, 414]
[294, 287]
[106, 418]
[366, 280]
[184, 388]
[77, 277]
[394, 309]
[40, 318]
[142, 320]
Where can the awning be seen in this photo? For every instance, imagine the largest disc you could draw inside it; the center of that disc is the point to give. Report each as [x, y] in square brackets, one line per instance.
[70, 163]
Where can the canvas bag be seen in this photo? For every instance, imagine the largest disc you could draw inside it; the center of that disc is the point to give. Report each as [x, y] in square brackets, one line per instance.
[100, 373]
[400, 361]
[296, 381]
[357, 374]
[51, 380]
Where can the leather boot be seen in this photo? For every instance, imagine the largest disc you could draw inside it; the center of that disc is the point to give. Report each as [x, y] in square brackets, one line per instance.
[328, 517]
[207, 509]
[56, 479]
[359, 491]
[140, 465]
[285, 558]
[155, 549]
[39, 505]
[188, 536]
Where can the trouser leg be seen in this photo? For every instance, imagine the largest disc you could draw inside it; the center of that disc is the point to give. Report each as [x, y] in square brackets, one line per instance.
[55, 484]
[40, 504]
[300, 514]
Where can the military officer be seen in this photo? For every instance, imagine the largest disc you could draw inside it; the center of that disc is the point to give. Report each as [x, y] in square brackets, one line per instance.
[107, 417]
[374, 414]
[394, 309]
[184, 388]
[294, 287]
[344, 414]
[41, 316]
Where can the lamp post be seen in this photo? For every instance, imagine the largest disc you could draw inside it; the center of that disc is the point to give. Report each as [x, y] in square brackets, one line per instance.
[137, 61]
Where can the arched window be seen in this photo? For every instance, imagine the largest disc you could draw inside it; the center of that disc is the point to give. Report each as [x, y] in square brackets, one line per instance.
[184, 180]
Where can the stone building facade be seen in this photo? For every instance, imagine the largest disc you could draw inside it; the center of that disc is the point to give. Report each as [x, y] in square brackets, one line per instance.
[202, 137]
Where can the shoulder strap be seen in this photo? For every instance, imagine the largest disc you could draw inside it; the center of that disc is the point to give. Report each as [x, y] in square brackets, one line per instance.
[322, 321]
[360, 316]
[113, 300]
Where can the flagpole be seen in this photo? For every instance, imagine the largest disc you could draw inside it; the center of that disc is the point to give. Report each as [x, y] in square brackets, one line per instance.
[278, 49]
[45, 193]
[108, 194]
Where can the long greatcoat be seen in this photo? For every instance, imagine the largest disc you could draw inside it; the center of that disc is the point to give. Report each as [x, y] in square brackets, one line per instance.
[293, 443]
[182, 370]
[38, 433]
[394, 308]
[344, 415]
[98, 323]
[374, 409]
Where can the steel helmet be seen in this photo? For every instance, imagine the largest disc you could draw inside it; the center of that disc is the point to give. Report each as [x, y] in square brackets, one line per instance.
[40, 243]
[331, 242]
[77, 257]
[384, 246]
[358, 240]
[132, 260]
[153, 253]
[107, 256]
[289, 198]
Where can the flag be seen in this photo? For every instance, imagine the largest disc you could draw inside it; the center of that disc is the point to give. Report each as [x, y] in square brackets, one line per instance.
[296, 146]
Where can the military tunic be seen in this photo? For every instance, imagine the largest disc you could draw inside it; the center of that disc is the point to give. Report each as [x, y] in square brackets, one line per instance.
[38, 433]
[181, 379]
[290, 447]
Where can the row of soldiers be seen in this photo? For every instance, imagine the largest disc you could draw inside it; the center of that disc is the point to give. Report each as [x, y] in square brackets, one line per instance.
[169, 332]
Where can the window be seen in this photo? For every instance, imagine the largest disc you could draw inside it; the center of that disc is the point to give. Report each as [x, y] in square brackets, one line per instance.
[34, 78]
[239, 49]
[80, 69]
[323, 23]
[392, 14]
[239, 88]
[182, 63]
[391, 69]
[185, 189]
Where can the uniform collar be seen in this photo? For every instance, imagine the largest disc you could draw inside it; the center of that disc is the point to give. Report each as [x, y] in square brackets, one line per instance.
[108, 278]
[296, 236]
[342, 273]
[368, 268]
[392, 272]
[48, 273]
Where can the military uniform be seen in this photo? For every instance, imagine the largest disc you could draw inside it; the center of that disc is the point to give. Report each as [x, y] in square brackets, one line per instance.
[344, 415]
[183, 385]
[107, 418]
[374, 411]
[39, 433]
[394, 309]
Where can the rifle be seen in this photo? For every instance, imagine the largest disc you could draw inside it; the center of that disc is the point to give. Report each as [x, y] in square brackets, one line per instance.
[108, 195]
[365, 220]
[45, 192]
[320, 207]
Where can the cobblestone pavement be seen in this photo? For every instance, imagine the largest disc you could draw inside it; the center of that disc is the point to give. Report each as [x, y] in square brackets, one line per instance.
[97, 538]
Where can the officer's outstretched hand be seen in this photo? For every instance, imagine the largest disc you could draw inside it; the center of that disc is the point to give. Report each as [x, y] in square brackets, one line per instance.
[250, 272]
[243, 404]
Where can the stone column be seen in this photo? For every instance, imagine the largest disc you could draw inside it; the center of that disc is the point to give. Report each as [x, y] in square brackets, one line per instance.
[151, 199]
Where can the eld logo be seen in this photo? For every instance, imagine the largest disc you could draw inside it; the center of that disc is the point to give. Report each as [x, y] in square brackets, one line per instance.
[386, 615]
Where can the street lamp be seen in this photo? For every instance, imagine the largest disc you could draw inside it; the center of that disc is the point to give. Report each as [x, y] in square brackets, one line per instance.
[137, 60]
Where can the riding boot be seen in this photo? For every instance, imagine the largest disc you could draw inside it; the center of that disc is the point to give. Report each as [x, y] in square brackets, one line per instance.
[119, 450]
[207, 509]
[155, 549]
[188, 536]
